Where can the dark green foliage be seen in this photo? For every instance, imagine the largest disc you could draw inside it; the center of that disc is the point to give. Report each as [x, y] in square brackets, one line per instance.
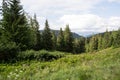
[48, 56]
[42, 55]
[68, 39]
[87, 46]
[8, 50]
[117, 39]
[93, 43]
[15, 33]
[100, 42]
[54, 41]
[47, 37]
[14, 24]
[36, 33]
[60, 41]
[106, 40]
[79, 45]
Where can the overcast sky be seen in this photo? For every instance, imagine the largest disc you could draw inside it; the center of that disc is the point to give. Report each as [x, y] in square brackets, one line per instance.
[85, 17]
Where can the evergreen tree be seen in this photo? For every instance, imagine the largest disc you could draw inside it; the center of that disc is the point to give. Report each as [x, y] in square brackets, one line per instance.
[79, 45]
[87, 46]
[60, 41]
[117, 39]
[14, 23]
[68, 39]
[100, 42]
[106, 40]
[93, 43]
[54, 40]
[37, 36]
[47, 37]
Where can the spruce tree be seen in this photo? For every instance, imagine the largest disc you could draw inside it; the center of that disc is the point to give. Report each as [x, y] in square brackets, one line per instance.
[14, 23]
[117, 39]
[68, 39]
[106, 40]
[79, 45]
[100, 42]
[87, 45]
[54, 40]
[35, 32]
[47, 37]
[93, 43]
[60, 41]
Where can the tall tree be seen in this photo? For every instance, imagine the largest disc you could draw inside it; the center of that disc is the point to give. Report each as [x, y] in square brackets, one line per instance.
[47, 37]
[60, 41]
[117, 39]
[13, 29]
[54, 40]
[79, 45]
[14, 23]
[93, 43]
[37, 36]
[68, 39]
[106, 40]
[100, 42]
[87, 45]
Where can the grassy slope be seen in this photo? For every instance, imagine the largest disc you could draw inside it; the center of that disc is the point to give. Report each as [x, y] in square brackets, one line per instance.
[102, 65]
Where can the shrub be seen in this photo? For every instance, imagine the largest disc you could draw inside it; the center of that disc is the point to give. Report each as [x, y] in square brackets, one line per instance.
[28, 54]
[42, 55]
[48, 56]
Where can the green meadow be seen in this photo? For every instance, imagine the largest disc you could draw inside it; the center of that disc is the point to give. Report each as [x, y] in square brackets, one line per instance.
[101, 65]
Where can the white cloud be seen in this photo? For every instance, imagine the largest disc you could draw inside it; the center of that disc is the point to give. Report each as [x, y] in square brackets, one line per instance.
[90, 23]
[45, 7]
[114, 0]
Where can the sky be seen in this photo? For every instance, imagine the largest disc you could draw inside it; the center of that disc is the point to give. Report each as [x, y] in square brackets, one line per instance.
[84, 17]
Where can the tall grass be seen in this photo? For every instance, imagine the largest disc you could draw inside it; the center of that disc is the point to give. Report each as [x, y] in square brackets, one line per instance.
[102, 65]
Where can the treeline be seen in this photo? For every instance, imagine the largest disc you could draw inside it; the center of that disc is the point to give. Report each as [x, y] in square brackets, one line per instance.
[20, 32]
[102, 41]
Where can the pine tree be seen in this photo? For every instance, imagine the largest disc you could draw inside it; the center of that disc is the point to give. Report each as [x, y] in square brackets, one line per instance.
[68, 39]
[60, 41]
[47, 37]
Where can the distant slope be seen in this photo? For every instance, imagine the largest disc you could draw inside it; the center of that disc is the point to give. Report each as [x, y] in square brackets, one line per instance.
[75, 35]
[102, 34]
[102, 65]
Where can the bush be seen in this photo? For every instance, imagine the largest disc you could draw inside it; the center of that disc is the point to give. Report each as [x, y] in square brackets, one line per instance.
[42, 55]
[48, 56]
[25, 55]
